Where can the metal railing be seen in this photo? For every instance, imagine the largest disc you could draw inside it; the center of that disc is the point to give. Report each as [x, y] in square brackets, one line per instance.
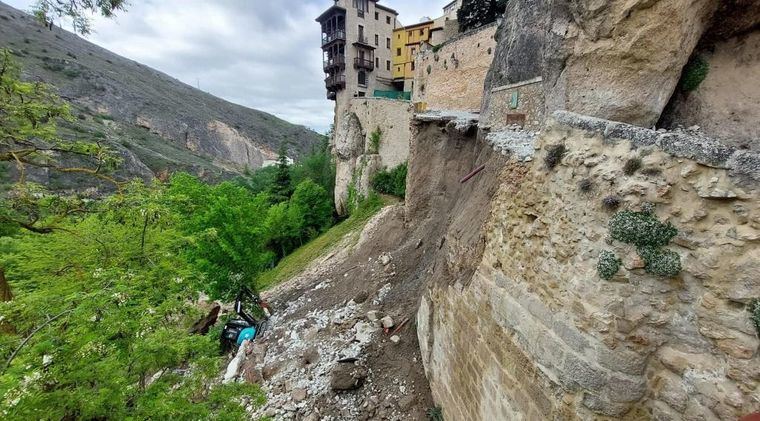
[334, 61]
[363, 63]
[405, 96]
[335, 81]
[329, 37]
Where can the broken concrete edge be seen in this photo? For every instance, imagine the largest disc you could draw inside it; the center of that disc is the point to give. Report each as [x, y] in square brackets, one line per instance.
[516, 142]
[742, 164]
[447, 115]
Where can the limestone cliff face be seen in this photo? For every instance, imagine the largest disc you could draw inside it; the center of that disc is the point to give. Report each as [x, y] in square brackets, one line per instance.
[357, 159]
[535, 333]
[618, 60]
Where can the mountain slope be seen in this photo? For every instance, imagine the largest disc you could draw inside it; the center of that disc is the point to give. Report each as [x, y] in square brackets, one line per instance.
[156, 122]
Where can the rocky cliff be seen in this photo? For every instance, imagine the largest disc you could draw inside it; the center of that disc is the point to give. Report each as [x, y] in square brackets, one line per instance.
[155, 122]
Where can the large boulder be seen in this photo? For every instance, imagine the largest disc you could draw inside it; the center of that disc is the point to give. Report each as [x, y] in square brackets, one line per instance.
[617, 59]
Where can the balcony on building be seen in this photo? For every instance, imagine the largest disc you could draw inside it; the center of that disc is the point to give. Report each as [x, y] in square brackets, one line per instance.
[335, 83]
[337, 62]
[333, 23]
[364, 63]
[363, 42]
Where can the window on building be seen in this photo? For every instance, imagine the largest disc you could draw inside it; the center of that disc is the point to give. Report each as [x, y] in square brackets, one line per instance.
[398, 52]
[377, 40]
[412, 66]
[409, 34]
[362, 94]
[377, 16]
[377, 62]
[361, 6]
[422, 32]
[388, 65]
[388, 20]
[388, 43]
[361, 34]
[362, 78]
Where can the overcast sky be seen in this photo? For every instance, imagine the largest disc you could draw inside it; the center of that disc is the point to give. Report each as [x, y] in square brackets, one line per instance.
[262, 54]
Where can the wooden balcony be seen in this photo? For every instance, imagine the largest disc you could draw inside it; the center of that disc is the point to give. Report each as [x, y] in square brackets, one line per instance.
[363, 63]
[335, 83]
[335, 62]
[330, 37]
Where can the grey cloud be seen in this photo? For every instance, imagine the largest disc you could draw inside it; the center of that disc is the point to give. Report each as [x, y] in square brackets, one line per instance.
[259, 53]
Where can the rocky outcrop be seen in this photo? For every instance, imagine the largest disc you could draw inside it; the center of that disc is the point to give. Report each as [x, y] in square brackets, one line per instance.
[724, 104]
[357, 156]
[533, 332]
[618, 60]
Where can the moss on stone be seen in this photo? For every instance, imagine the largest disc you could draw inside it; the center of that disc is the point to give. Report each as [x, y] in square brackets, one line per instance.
[661, 262]
[631, 166]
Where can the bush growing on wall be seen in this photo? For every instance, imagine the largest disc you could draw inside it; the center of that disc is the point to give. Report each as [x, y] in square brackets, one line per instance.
[754, 309]
[694, 73]
[476, 13]
[609, 265]
[392, 181]
[649, 235]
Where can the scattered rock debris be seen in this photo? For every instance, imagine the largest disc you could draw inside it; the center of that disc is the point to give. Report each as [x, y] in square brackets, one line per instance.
[329, 353]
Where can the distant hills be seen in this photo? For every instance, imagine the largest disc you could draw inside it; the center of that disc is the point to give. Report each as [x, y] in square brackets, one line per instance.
[157, 123]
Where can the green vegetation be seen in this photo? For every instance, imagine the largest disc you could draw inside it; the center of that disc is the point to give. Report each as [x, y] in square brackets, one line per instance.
[435, 414]
[299, 260]
[97, 294]
[476, 13]
[649, 235]
[78, 12]
[694, 74]
[98, 325]
[374, 141]
[754, 309]
[608, 265]
[392, 181]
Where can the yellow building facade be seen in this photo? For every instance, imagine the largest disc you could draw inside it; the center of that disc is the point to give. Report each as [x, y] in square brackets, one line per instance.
[407, 42]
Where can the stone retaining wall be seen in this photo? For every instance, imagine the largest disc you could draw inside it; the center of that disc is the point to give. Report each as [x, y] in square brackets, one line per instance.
[537, 334]
[453, 76]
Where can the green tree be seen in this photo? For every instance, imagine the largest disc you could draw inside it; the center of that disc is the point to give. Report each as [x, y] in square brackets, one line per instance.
[312, 207]
[476, 13]
[29, 117]
[229, 235]
[282, 187]
[283, 229]
[76, 11]
[318, 166]
[98, 326]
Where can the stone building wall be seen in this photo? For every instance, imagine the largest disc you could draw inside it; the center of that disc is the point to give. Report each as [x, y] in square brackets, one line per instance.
[452, 77]
[356, 160]
[518, 103]
[537, 334]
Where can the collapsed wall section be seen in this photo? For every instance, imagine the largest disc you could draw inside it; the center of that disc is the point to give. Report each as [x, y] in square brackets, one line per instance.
[535, 333]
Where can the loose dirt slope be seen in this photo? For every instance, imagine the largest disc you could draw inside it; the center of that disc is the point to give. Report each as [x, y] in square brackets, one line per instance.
[326, 355]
